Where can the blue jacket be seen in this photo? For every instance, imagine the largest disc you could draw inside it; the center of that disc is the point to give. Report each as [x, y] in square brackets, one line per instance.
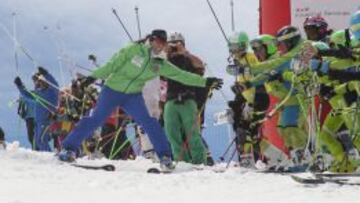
[48, 99]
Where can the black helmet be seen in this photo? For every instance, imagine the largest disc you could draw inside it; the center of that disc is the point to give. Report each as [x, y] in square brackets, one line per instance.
[290, 35]
[160, 34]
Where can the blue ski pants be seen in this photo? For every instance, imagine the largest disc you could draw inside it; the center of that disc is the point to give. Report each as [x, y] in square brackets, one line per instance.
[42, 137]
[133, 105]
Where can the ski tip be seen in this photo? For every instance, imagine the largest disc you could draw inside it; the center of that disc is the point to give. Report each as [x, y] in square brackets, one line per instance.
[314, 181]
[153, 170]
[109, 167]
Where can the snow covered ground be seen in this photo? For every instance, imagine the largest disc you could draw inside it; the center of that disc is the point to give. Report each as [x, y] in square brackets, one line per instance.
[32, 177]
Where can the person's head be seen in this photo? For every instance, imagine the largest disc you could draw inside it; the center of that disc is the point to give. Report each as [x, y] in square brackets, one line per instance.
[39, 83]
[238, 43]
[316, 28]
[64, 95]
[176, 42]
[287, 38]
[355, 25]
[158, 40]
[263, 46]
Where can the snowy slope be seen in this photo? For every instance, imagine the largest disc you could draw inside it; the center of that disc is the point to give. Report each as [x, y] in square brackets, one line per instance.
[32, 177]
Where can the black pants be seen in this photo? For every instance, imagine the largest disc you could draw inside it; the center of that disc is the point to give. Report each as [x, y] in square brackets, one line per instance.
[2, 134]
[30, 126]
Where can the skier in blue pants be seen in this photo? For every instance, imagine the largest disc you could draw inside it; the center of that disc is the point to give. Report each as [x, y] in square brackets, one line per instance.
[125, 76]
[45, 99]
[132, 104]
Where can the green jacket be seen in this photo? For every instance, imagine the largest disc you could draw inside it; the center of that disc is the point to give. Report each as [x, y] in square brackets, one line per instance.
[273, 63]
[130, 68]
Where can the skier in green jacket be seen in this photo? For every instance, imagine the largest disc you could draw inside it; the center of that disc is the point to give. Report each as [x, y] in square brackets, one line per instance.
[125, 75]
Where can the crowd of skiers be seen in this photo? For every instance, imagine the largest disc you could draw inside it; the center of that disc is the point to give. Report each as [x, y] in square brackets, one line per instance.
[313, 81]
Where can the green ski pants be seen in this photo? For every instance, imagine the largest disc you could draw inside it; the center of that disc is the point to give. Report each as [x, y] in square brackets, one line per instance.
[183, 131]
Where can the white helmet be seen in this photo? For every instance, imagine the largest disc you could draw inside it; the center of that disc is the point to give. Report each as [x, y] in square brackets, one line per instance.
[175, 37]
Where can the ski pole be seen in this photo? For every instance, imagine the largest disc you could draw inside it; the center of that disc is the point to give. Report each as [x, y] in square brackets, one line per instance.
[232, 16]
[217, 20]
[60, 52]
[15, 45]
[56, 87]
[222, 157]
[43, 102]
[138, 20]
[189, 135]
[279, 105]
[221, 91]
[121, 128]
[76, 64]
[122, 24]
[231, 157]
[18, 45]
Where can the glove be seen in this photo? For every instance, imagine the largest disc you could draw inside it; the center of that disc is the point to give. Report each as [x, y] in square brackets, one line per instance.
[344, 75]
[87, 81]
[215, 83]
[92, 57]
[18, 82]
[276, 76]
[344, 52]
[327, 92]
[238, 88]
[350, 97]
[42, 70]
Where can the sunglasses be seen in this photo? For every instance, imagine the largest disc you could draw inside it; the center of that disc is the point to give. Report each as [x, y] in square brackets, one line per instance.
[237, 47]
[256, 45]
[157, 39]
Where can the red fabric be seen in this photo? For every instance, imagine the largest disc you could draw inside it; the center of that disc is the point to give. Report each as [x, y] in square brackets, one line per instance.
[274, 14]
[113, 118]
[325, 109]
[270, 131]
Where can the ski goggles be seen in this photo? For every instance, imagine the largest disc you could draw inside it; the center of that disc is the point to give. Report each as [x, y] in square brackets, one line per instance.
[233, 47]
[287, 36]
[256, 45]
[158, 39]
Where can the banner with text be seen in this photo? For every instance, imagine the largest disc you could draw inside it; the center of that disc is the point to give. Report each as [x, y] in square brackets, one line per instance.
[336, 12]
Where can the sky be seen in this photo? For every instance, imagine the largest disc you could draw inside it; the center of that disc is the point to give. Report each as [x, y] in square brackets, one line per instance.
[79, 27]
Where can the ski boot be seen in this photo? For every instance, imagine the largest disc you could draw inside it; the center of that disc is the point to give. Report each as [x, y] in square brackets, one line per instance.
[150, 154]
[209, 160]
[166, 164]
[353, 154]
[247, 161]
[67, 156]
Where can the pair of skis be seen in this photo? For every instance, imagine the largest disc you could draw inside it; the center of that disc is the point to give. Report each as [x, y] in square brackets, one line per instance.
[323, 178]
[111, 167]
[106, 167]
